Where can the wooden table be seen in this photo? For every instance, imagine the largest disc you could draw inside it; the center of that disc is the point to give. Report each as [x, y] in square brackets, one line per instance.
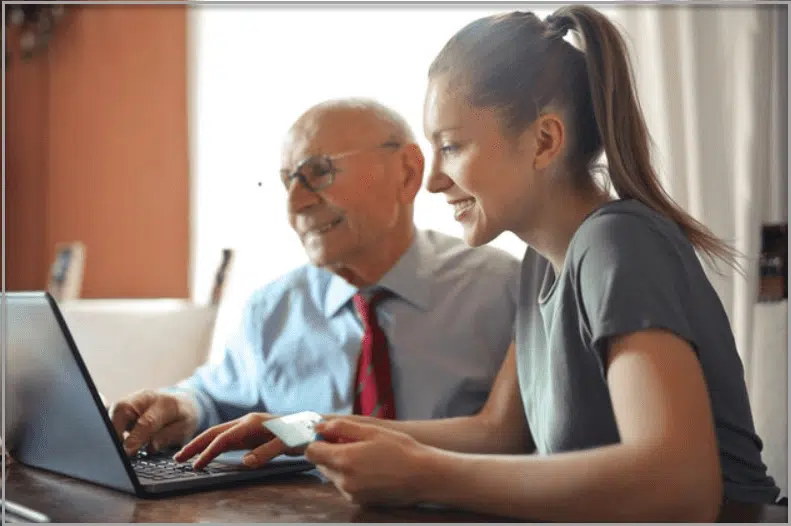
[303, 497]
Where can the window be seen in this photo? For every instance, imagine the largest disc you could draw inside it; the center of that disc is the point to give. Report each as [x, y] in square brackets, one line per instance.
[254, 71]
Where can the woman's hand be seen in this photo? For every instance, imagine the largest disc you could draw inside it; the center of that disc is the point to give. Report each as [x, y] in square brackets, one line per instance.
[247, 432]
[370, 464]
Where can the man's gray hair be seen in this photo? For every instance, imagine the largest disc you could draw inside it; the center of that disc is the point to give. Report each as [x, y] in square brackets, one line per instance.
[402, 132]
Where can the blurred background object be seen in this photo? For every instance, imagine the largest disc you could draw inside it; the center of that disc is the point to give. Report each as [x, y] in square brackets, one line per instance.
[65, 278]
[221, 276]
[774, 264]
[36, 25]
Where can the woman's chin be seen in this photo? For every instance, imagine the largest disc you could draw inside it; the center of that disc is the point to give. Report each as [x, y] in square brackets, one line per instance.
[475, 236]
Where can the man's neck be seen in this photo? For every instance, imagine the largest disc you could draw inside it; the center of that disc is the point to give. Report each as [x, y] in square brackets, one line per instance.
[369, 267]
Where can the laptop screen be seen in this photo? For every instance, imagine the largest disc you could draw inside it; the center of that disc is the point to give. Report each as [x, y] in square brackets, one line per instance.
[55, 419]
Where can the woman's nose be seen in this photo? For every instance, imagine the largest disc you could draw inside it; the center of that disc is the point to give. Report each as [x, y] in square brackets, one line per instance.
[437, 180]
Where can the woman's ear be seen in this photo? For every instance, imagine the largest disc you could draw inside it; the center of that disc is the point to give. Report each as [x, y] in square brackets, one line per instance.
[549, 135]
[412, 166]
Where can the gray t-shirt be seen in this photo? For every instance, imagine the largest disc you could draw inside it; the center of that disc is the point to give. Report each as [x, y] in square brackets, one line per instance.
[627, 269]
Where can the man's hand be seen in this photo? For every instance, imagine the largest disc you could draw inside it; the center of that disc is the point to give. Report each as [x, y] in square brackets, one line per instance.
[158, 419]
[247, 432]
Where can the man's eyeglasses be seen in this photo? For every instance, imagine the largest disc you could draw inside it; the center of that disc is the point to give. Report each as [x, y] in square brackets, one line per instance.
[318, 172]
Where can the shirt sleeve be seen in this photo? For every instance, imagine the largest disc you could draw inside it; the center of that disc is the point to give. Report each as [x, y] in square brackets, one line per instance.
[629, 277]
[226, 388]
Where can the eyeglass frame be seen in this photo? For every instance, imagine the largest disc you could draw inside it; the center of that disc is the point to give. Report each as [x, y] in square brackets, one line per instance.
[333, 170]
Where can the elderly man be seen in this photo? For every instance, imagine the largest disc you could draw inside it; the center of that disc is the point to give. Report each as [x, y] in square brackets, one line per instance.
[386, 320]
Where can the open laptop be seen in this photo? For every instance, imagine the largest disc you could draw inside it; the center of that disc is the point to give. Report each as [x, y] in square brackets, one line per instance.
[56, 421]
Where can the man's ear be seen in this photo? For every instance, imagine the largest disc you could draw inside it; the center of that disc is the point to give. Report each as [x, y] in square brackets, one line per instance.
[412, 164]
[549, 134]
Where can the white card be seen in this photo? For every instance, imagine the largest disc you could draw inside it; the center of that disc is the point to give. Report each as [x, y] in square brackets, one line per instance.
[295, 430]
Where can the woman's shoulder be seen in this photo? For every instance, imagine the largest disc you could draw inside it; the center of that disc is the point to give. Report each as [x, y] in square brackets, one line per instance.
[629, 225]
[627, 234]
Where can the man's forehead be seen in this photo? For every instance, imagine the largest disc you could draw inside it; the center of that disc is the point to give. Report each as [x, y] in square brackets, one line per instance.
[330, 132]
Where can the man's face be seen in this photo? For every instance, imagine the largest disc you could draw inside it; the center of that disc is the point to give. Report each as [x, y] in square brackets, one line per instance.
[341, 224]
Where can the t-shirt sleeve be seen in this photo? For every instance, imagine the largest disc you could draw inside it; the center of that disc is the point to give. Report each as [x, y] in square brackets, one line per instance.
[629, 277]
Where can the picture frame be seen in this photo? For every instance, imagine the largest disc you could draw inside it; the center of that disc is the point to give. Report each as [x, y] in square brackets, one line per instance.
[67, 271]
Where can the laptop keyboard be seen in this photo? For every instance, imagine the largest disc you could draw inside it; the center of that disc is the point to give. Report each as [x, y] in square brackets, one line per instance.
[160, 466]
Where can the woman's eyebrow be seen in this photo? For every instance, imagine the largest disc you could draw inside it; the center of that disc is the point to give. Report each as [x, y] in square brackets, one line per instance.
[440, 131]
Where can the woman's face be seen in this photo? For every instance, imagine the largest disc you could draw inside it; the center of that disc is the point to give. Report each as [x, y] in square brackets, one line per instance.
[489, 179]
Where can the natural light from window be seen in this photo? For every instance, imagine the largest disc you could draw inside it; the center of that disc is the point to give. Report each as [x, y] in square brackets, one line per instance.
[254, 70]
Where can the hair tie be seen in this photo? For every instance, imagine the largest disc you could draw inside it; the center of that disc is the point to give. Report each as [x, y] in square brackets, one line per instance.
[558, 25]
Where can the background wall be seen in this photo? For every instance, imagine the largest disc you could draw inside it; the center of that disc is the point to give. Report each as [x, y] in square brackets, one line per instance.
[26, 120]
[96, 142]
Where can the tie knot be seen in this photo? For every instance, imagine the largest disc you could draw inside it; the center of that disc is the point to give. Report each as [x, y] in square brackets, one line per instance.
[367, 307]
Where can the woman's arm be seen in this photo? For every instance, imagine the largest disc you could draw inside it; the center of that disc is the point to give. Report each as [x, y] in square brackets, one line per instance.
[500, 426]
[666, 467]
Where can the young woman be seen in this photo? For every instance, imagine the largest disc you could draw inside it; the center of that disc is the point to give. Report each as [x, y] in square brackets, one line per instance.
[623, 396]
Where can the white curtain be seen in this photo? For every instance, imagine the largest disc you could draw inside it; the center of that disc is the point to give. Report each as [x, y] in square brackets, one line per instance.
[713, 85]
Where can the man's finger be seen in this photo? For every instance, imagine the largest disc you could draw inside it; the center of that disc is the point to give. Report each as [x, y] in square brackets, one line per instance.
[123, 416]
[263, 454]
[344, 430]
[144, 428]
[169, 436]
[201, 442]
[150, 422]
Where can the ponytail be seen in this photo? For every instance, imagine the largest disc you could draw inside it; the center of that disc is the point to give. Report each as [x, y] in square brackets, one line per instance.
[520, 64]
[621, 127]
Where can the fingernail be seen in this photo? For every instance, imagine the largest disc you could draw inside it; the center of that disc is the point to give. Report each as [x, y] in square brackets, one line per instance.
[248, 459]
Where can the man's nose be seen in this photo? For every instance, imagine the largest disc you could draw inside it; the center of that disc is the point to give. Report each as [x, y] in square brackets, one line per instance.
[300, 197]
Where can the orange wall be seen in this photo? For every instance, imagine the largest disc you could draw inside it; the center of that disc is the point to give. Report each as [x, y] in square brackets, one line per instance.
[26, 121]
[105, 159]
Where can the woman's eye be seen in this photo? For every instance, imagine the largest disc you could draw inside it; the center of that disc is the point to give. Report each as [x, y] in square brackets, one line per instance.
[447, 148]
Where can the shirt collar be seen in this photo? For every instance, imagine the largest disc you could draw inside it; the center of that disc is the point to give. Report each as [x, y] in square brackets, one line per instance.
[409, 278]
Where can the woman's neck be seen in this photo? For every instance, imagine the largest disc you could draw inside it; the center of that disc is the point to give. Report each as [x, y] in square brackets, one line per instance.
[553, 232]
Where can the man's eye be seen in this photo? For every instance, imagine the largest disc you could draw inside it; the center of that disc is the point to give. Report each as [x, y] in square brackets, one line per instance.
[318, 169]
[448, 148]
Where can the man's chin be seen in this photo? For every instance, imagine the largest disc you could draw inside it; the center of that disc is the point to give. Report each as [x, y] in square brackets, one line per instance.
[321, 259]
[332, 265]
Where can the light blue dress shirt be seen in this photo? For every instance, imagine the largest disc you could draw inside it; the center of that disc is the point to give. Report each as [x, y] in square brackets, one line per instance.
[448, 325]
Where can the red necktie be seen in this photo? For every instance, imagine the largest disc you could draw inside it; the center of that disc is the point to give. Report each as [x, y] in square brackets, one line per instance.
[374, 391]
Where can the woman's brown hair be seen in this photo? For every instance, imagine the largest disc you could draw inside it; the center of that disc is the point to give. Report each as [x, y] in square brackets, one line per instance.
[522, 66]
